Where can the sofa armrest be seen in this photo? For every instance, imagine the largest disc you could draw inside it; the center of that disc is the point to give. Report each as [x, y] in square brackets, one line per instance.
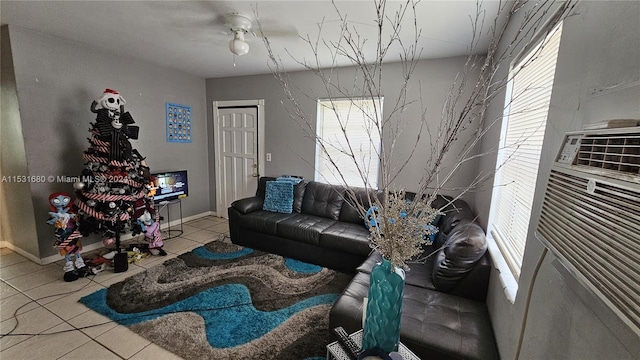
[248, 205]
[475, 285]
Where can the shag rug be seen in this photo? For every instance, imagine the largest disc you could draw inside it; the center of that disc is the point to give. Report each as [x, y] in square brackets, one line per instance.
[223, 301]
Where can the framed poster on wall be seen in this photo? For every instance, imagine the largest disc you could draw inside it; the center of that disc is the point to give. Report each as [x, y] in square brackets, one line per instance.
[178, 123]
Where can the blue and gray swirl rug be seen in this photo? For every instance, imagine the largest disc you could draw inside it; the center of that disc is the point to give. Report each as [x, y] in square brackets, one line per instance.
[223, 301]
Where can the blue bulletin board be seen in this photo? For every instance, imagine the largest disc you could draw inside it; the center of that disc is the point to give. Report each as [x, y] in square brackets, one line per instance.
[178, 123]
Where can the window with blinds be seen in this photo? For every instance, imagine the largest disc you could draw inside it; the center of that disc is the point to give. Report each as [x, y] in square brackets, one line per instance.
[346, 127]
[527, 104]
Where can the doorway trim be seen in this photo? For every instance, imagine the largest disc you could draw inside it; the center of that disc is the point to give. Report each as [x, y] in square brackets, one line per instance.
[259, 104]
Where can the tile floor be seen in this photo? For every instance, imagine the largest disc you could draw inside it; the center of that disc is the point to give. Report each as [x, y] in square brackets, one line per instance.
[49, 309]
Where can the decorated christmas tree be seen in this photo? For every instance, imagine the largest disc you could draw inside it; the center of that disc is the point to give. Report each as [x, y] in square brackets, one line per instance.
[115, 194]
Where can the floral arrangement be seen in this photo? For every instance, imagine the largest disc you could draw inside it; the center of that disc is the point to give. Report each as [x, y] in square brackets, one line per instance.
[399, 227]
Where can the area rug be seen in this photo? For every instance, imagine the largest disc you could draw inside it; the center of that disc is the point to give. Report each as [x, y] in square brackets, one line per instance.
[223, 301]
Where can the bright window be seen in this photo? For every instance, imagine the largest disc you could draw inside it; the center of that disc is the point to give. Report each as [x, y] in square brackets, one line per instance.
[523, 126]
[347, 127]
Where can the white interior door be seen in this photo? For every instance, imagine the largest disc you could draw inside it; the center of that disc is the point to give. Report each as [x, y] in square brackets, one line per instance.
[237, 155]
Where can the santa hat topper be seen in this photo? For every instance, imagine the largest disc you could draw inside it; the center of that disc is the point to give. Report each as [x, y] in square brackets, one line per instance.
[110, 99]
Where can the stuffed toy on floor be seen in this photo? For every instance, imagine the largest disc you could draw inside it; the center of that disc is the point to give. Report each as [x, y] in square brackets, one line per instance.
[67, 236]
[151, 230]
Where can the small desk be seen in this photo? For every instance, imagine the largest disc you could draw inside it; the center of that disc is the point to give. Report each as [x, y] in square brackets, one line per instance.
[335, 352]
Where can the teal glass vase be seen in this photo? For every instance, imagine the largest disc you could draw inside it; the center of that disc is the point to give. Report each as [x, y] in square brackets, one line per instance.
[384, 308]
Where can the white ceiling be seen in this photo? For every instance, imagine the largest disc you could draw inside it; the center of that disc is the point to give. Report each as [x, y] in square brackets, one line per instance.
[190, 35]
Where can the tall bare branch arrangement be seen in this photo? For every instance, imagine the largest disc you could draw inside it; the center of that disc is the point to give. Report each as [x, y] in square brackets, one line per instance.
[398, 228]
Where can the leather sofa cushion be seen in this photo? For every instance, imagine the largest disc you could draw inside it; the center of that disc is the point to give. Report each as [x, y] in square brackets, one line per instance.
[349, 211]
[420, 274]
[263, 221]
[347, 237]
[262, 186]
[298, 195]
[304, 227]
[435, 325]
[475, 285]
[453, 214]
[441, 238]
[441, 202]
[466, 244]
[322, 200]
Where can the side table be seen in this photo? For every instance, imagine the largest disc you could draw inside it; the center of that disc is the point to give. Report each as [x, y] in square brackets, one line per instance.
[167, 204]
[335, 351]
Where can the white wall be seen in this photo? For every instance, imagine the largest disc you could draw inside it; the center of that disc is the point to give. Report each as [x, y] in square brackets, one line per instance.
[597, 78]
[58, 79]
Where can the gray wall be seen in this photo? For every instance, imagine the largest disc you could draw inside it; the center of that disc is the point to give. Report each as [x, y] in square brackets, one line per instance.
[294, 153]
[17, 223]
[56, 82]
[600, 49]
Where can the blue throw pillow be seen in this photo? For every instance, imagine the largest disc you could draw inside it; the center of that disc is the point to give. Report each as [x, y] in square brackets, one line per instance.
[278, 197]
[291, 179]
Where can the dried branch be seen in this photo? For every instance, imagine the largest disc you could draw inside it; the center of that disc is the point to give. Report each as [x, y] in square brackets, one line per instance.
[398, 231]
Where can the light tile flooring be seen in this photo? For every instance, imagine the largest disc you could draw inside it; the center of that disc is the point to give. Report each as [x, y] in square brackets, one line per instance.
[49, 312]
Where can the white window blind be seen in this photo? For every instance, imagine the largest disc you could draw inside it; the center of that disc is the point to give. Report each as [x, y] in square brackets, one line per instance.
[527, 105]
[362, 138]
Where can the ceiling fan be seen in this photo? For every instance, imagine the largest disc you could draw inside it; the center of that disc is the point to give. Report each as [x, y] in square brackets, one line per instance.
[225, 23]
[239, 25]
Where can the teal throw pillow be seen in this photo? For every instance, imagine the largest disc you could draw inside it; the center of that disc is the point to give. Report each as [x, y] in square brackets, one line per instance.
[278, 197]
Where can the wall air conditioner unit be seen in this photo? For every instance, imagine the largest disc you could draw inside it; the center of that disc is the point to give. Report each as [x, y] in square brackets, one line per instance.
[590, 217]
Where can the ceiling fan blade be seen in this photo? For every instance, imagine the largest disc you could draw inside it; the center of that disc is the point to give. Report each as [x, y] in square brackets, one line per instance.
[273, 29]
[277, 30]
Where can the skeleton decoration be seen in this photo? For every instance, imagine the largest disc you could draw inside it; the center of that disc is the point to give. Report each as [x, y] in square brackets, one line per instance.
[114, 125]
[111, 101]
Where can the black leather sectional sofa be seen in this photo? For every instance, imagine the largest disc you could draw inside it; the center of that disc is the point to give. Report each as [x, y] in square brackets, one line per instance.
[320, 230]
[444, 315]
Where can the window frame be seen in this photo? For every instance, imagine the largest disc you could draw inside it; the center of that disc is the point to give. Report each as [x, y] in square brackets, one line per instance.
[324, 105]
[499, 247]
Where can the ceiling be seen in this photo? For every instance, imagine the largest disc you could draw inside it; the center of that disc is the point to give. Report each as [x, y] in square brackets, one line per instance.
[191, 36]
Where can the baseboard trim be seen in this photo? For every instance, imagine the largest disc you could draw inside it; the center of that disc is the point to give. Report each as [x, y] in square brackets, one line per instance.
[26, 254]
[97, 244]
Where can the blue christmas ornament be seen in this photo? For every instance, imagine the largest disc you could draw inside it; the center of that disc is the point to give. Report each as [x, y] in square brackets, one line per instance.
[371, 217]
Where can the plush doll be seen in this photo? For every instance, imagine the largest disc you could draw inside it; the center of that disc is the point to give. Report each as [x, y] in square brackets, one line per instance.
[151, 230]
[67, 236]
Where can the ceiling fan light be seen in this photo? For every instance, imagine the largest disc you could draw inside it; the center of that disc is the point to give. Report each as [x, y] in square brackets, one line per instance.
[237, 45]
